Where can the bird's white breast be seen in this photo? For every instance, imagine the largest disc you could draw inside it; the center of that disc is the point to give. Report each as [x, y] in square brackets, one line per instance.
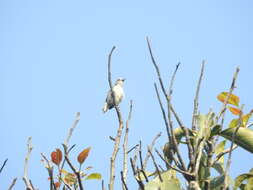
[119, 93]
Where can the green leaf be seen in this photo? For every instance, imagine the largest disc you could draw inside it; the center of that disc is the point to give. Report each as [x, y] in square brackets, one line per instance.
[170, 182]
[215, 130]
[217, 182]
[249, 185]
[243, 137]
[204, 124]
[241, 178]
[94, 176]
[141, 176]
[218, 166]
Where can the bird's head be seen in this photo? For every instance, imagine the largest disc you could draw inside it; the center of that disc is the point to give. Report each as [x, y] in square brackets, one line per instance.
[120, 81]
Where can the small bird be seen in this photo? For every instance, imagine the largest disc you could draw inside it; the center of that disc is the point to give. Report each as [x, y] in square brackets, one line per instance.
[118, 93]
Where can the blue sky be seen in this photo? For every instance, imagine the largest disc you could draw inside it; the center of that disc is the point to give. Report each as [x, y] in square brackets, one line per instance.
[53, 61]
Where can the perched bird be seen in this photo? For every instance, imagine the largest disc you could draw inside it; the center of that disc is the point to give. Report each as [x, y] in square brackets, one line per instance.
[118, 95]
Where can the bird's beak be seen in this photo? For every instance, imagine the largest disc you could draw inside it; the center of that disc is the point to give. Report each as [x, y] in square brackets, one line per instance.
[123, 79]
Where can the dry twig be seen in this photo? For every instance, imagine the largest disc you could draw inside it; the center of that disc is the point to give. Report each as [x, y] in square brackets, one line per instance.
[125, 147]
[156, 166]
[196, 99]
[12, 184]
[2, 167]
[151, 148]
[25, 177]
[77, 118]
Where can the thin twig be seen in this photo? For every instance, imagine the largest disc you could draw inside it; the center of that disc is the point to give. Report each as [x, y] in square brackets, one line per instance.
[120, 128]
[151, 148]
[123, 181]
[77, 118]
[224, 106]
[12, 184]
[168, 97]
[144, 174]
[223, 153]
[140, 156]
[125, 146]
[196, 99]
[132, 148]
[102, 184]
[156, 166]
[187, 137]
[2, 167]
[136, 154]
[156, 68]
[25, 177]
[50, 172]
[163, 112]
[229, 160]
[140, 183]
[172, 167]
[77, 173]
[174, 141]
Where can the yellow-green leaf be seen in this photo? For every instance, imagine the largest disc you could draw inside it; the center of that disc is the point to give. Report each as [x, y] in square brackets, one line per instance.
[244, 120]
[233, 99]
[220, 148]
[170, 182]
[70, 179]
[83, 155]
[241, 178]
[94, 176]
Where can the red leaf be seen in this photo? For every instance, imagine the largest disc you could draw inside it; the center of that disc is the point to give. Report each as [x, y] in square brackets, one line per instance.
[83, 155]
[57, 184]
[56, 156]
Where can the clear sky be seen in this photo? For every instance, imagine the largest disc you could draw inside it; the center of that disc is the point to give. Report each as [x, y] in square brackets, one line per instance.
[53, 63]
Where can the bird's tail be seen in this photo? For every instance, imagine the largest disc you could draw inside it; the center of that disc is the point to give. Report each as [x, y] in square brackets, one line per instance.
[105, 108]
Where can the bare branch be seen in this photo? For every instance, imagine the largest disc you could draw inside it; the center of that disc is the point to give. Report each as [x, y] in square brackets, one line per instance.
[187, 137]
[125, 147]
[156, 166]
[140, 155]
[103, 186]
[232, 87]
[156, 68]
[172, 167]
[50, 172]
[123, 181]
[229, 160]
[151, 148]
[2, 167]
[77, 173]
[163, 112]
[136, 154]
[133, 148]
[141, 185]
[25, 177]
[120, 128]
[12, 184]
[77, 118]
[223, 153]
[196, 99]
[173, 139]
